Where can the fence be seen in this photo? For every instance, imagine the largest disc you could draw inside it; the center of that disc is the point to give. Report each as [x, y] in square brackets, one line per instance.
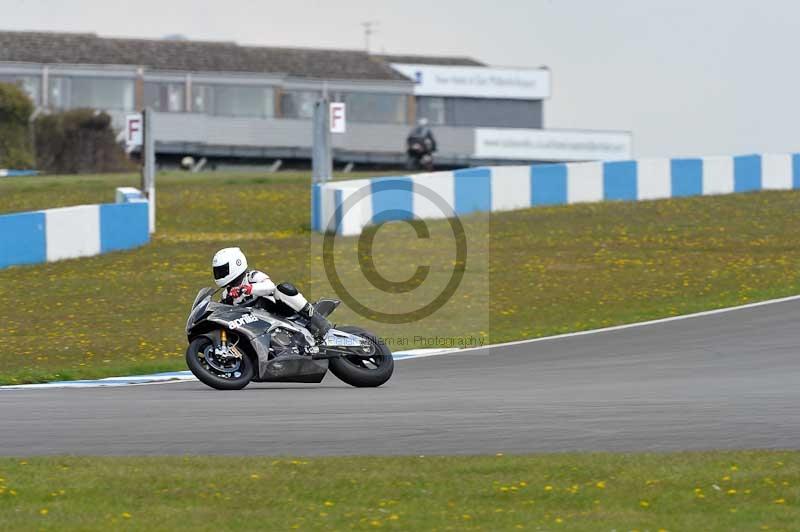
[346, 207]
[70, 232]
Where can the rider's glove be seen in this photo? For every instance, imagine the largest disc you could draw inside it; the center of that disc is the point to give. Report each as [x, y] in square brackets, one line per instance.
[236, 291]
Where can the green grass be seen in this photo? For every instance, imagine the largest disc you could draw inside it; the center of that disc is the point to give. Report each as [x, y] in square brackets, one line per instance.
[758, 490]
[529, 273]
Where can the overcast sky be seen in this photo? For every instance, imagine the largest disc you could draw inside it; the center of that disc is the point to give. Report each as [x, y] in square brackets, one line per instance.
[687, 77]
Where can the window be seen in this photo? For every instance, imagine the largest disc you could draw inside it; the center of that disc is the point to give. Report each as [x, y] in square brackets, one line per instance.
[230, 100]
[298, 104]
[30, 84]
[233, 100]
[202, 97]
[491, 112]
[432, 109]
[376, 108]
[94, 93]
[168, 97]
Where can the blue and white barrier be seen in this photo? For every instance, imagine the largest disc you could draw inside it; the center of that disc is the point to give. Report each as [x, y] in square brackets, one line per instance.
[346, 207]
[70, 232]
[4, 172]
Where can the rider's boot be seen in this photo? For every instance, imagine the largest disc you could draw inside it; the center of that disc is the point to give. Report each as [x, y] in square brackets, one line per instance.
[318, 325]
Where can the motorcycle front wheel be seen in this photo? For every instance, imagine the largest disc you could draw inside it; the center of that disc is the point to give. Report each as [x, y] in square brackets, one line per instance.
[364, 371]
[220, 375]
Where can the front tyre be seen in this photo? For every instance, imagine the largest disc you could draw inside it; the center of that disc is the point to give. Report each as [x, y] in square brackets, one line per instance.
[221, 375]
[364, 372]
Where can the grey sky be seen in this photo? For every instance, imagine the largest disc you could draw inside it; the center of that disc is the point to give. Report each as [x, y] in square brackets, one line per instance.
[687, 77]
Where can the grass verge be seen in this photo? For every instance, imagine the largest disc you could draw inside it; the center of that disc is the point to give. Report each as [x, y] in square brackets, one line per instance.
[684, 491]
[540, 271]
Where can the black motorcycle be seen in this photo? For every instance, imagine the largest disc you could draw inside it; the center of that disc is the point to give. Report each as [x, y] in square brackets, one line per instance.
[230, 346]
[420, 154]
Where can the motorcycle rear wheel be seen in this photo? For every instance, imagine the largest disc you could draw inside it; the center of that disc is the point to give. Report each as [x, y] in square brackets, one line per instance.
[357, 371]
[208, 375]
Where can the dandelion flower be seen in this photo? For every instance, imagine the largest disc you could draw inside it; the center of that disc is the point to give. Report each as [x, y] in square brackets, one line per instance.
[329, 503]
[644, 504]
[601, 484]
[779, 501]
[126, 515]
[44, 511]
[548, 488]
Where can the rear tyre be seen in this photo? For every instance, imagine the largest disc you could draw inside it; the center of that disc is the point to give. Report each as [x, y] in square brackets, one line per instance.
[364, 372]
[236, 379]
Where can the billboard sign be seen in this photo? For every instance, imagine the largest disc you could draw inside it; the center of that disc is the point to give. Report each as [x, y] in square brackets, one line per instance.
[477, 82]
[552, 145]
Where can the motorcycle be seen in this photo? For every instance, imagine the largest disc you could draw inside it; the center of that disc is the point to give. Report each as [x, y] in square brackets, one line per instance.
[420, 154]
[231, 346]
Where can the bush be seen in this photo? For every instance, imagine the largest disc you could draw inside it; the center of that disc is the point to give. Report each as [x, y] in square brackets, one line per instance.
[15, 136]
[78, 141]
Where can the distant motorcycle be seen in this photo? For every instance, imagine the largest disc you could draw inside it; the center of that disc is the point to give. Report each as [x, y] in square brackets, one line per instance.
[420, 154]
[230, 346]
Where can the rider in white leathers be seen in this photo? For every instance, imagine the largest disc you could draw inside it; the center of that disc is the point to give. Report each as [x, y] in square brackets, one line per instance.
[243, 286]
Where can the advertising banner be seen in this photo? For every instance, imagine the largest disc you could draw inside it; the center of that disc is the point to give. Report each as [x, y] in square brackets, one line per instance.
[551, 145]
[477, 82]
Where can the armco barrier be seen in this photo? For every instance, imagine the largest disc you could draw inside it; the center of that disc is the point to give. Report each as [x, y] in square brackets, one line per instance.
[346, 207]
[69, 232]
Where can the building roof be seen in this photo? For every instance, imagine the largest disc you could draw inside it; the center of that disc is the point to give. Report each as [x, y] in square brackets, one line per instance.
[430, 60]
[202, 56]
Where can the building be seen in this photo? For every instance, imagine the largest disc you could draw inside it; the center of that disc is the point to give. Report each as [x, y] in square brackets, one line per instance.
[223, 100]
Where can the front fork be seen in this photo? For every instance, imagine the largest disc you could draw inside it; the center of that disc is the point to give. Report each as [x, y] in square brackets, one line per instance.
[224, 350]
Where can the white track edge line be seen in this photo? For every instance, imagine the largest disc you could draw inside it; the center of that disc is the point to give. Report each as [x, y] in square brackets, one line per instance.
[632, 325]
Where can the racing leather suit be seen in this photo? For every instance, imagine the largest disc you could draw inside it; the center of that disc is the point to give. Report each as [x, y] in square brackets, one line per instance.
[254, 284]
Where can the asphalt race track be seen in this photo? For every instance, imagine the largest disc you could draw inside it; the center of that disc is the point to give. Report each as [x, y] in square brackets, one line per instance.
[722, 381]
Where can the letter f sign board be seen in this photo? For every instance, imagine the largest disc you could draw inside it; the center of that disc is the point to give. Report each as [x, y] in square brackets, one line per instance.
[338, 117]
[133, 130]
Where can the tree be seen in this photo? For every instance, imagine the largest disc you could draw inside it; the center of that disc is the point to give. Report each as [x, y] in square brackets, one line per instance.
[16, 110]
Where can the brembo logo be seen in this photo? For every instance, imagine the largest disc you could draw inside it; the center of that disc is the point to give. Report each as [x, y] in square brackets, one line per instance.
[244, 320]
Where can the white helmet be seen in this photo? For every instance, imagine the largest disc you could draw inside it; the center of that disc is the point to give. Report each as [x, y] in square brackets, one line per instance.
[228, 264]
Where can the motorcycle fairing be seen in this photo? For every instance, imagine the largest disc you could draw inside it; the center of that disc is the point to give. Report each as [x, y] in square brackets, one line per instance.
[256, 325]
